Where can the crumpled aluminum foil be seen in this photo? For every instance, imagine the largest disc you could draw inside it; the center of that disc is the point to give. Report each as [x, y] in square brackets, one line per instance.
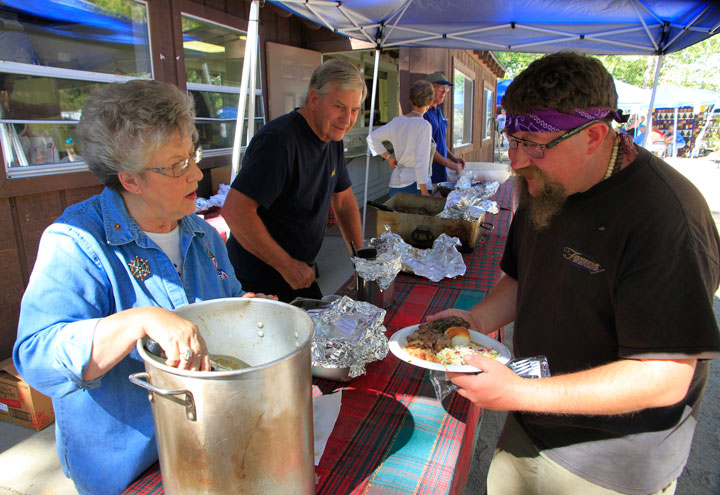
[383, 268]
[348, 334]
[202, 204]
[441, 261]
[468, 202]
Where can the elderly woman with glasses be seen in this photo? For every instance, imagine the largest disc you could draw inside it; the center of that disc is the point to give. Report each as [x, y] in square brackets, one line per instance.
[108, 272]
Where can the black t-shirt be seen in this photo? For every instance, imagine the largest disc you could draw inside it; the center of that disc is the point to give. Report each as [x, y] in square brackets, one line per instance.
[628, 269]
[292, 174]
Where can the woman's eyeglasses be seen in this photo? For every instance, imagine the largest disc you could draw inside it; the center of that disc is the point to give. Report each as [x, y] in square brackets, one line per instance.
[178, 169]
[537, 150]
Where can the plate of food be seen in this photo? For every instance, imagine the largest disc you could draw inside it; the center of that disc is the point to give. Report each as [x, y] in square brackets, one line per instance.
[442, 344]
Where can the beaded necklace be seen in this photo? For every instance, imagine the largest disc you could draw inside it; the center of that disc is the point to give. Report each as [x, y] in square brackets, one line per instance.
[616, 159]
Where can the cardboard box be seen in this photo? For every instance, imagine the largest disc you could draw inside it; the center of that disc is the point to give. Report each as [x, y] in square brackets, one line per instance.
[404, 224]
[220, 175]
[20, 404]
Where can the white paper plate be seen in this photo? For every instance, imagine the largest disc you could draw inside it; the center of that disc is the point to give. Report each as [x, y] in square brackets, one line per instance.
[398, 341]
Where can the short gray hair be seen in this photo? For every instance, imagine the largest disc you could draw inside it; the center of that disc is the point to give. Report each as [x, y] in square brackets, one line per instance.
[421, 93]
[122, 124]
[338, 72]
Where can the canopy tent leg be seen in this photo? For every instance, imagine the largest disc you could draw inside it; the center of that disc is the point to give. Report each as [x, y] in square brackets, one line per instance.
[249, 63]
[370, 128]
[674, 135]
[648, 125]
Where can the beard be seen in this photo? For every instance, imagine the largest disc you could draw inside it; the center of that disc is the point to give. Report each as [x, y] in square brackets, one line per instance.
[548, 201]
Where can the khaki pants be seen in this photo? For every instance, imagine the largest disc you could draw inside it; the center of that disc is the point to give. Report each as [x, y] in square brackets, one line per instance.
[519, 468]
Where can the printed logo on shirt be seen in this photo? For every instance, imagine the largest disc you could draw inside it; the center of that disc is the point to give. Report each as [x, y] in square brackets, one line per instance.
[222, 275]
[582, 261]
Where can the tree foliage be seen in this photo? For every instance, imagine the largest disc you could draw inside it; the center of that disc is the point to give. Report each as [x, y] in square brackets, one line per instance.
[696, 66]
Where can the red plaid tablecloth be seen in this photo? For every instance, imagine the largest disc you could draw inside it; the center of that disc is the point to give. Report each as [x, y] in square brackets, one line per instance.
[331, 220]
[392, 436]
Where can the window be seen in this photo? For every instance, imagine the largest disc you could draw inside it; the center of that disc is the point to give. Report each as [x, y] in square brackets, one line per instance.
[386, 95]
[52, 54]
[489, 114]
[462, 109]
[214, 57]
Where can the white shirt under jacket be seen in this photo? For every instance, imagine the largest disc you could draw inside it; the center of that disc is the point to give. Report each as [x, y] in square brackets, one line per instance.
[411, 138]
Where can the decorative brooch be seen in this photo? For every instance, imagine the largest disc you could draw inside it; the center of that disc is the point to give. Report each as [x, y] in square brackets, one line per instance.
[220, 272]
[139, 268]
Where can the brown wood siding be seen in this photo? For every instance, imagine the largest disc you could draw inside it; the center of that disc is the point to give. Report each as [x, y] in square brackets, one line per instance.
[13, 282]
[29, 205]
[416, 63]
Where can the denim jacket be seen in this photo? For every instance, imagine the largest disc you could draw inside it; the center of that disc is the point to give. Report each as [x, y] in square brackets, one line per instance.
[95, 261]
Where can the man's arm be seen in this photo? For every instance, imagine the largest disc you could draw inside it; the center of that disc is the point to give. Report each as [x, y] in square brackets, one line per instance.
[348, 217]
[240, 213]
[459, 162]
[451, 162]
[620, 387]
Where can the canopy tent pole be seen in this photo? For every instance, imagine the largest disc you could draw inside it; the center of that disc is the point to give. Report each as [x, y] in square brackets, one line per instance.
[251, 91]
[648, 122]
[370, 128]
[250, 59]
[674, 134]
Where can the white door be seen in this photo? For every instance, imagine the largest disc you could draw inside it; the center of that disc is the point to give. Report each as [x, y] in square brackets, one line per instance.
[288, 72]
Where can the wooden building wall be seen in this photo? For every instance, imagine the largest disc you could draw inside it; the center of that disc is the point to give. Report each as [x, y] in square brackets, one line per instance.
[29, 205]
[417, 63]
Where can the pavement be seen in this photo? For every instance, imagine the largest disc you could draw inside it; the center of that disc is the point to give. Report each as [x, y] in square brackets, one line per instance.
[29, 463]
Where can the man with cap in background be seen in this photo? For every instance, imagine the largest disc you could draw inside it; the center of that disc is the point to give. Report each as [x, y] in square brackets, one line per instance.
[443, 158]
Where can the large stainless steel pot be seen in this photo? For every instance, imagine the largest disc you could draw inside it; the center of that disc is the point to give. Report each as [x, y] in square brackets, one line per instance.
[245, 431]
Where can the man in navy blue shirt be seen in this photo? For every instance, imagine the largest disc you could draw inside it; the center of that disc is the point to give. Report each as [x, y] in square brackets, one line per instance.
[293, 171]
[443, 158]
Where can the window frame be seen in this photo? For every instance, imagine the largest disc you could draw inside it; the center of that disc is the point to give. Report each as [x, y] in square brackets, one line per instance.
[185, 11]
[54, 73]
[466, 132]
[488, 113]
[166, 59]
[38, 172]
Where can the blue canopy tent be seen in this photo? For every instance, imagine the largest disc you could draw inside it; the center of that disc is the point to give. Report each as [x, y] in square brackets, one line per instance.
[63, 18]
[501, 87]
[619, 27]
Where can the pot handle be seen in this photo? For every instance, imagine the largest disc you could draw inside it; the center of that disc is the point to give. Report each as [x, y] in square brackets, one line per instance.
[487, 225]
[143, 380]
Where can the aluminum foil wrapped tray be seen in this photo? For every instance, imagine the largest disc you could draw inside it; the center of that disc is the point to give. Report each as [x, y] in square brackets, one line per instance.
[349, 334]
[441, 261]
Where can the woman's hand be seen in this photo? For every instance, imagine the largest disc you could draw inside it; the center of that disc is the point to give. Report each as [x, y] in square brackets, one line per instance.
[259, 295]
[184, 347]
[392, 161]
[116, 335]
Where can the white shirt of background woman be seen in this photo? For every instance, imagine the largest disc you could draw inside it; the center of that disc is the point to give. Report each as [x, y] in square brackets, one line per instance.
[411, 138]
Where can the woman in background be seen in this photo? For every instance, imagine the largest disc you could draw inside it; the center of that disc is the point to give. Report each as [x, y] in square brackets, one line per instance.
[411, 138]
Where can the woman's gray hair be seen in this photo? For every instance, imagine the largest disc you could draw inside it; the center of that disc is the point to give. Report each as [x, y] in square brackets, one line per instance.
[421, 93]
[338, 72]
[122, 124]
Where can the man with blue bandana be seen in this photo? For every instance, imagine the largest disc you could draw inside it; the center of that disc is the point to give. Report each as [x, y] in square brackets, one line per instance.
[610, 268]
